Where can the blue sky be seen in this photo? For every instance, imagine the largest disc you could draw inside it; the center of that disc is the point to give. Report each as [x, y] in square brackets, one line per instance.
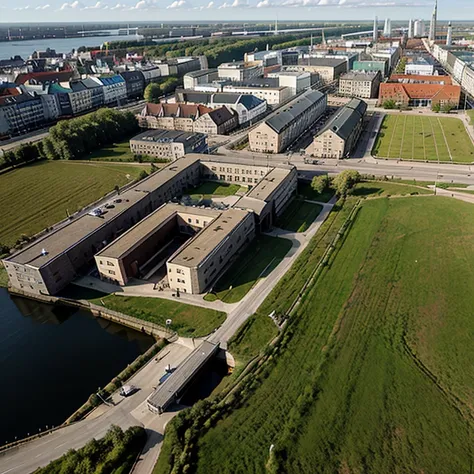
[202, 10]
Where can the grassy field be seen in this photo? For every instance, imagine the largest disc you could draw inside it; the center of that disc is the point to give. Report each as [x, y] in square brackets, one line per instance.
[3, 276]
[116, 152]
[386, 188]
[261, 256]
[188, 321]
[299, 215]
[412, 137]
[36, 196]
[307, 192]
[376, 374]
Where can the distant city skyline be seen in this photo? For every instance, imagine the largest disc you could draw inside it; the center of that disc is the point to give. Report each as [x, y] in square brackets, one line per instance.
[222, 10]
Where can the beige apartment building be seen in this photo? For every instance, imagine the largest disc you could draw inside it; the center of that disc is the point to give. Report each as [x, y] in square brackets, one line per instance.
[196, 265]
[168, 144]
[285, 125]
[342, 132]
[329, 69]
[364, 85]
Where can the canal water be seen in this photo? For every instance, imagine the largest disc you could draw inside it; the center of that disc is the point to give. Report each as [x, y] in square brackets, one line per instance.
[61, 45]
[51, 359]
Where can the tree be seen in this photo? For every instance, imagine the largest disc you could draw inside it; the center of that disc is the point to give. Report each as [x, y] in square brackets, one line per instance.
[389, 104]
[436, 107]
[152, 93]
[143, 174]
[320, 183]
[345, 181]
[447, 107]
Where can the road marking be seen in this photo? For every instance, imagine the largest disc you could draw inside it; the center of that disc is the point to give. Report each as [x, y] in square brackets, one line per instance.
[11, 469]
[59, 445]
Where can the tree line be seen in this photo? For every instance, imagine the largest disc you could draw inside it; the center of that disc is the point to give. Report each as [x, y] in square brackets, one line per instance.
[75, 138]
[115, 452]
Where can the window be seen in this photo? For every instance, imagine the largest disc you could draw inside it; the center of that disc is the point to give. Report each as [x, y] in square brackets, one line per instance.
[110, 264]
[111, 272]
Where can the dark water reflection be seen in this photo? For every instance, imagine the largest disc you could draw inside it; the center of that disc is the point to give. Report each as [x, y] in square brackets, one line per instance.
[52, 358]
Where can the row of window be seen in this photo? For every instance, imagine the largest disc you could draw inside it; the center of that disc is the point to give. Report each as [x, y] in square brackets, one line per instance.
[237, 171]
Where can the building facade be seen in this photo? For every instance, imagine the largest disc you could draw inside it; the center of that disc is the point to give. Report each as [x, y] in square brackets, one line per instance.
[282, 127]
[239, 71]
[168, 144]
[364, 85]
[339, 137]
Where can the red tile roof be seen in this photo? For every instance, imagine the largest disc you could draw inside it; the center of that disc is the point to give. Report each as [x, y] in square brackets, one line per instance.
[420, 91]
[175, 110]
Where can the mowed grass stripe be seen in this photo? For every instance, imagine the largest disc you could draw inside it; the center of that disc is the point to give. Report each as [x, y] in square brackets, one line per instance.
[422, 138]
[393, 290]
[37, 196]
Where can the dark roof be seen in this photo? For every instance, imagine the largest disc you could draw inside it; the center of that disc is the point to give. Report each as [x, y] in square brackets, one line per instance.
[280, 119]
[226, 98]
[221, 115]
[132, 76]
[249, 101]
[77, 86]
[90, 83]
[346, 118]
[186, 95]
[259, 82]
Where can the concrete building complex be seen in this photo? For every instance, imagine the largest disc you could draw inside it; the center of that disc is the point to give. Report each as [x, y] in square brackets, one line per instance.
[340, 135]
[282, 127]
[296, 81]
[360, 84]
[268, 90]
[328, 69]
[118, 236]
[189, 118]
[372, 66]
[239, 71]
[168, 144]
[195, 78]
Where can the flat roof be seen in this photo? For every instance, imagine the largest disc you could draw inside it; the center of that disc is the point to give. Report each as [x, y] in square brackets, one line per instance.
[167, 391]
[166, 136]
[266, 187]
[128, 241]
[59, 241]
[205, 242]
[253, 204]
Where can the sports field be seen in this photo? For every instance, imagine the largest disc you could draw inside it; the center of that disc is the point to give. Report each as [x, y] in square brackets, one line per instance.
[375, 373]
[426, 138]
[39, 195]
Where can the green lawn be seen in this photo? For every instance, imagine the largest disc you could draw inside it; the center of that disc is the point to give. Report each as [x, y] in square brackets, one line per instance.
[299, 215]
[307, 192]
[188, 321]
[252, 337]
[412, 137]
[386, 188]
[209, 189]
[36, 196]
[116, 152]
[375, 373]
[261, 256]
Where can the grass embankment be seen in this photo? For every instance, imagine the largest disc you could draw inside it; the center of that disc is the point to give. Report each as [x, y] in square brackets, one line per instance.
[114, 453]
[307, 192]
[387, 188]
[299, 215]
[261, 256]
[376, 374]
[412, 137]
[187, 320]
[36, 196]
[3, 276]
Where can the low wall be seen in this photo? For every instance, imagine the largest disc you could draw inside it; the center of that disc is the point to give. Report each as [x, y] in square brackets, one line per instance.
[147, 327]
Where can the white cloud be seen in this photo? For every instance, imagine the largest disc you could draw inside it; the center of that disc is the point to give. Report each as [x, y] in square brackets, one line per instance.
[265, 4]
[97, 6]
[178, 4]
[119, 6]
[235, 4]
[43, 7]
[74, 6]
